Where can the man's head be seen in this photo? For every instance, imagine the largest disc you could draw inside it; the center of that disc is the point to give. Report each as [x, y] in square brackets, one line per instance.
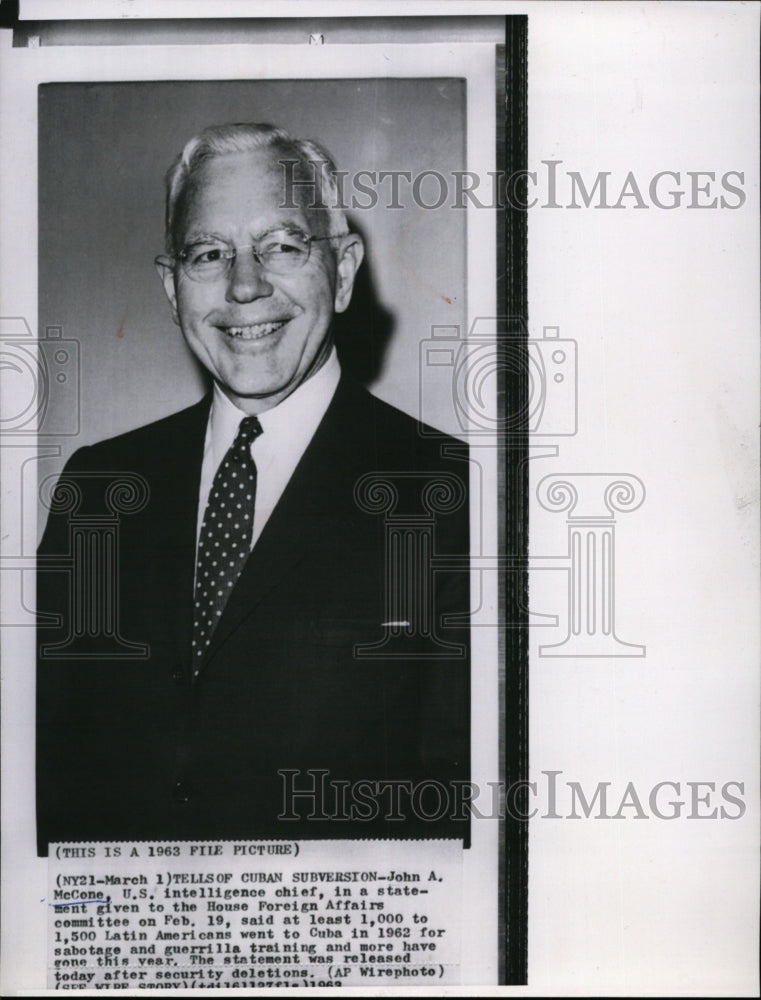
[256, 269]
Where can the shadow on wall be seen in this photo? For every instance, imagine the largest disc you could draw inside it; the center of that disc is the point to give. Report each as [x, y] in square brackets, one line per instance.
[363, 332]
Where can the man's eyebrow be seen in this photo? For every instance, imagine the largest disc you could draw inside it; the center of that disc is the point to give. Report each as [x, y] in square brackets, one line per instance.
[292, 228]
[284, 227]
[193, 238]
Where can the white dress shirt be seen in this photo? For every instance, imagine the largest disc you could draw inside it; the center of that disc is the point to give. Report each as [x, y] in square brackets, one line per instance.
[287, 429]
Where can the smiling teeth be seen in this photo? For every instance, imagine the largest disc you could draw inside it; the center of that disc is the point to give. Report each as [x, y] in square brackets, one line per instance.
[252, 332]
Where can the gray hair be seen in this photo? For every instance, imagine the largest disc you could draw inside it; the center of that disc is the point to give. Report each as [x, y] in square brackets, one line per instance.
[310, 161]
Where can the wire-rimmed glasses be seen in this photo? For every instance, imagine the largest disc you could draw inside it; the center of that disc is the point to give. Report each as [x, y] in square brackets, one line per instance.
[279, 252]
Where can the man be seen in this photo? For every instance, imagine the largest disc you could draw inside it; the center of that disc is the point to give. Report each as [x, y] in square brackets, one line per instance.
[280, 625]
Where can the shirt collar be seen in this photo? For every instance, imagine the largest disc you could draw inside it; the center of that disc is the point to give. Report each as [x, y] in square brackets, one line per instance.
[292, 422]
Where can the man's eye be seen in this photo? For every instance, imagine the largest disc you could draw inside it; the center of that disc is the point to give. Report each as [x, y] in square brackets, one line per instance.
[200, 255]
[284, 248]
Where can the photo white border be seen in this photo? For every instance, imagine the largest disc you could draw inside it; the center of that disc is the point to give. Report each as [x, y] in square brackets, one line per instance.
[683, 76]
[23, 70]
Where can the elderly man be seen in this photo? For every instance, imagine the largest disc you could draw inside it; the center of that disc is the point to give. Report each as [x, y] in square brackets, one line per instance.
[288, 662]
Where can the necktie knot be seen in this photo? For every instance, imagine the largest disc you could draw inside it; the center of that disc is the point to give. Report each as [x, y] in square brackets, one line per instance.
[248, 431]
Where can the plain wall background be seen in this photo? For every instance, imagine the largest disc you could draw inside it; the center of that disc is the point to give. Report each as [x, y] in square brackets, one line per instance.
[104, 149]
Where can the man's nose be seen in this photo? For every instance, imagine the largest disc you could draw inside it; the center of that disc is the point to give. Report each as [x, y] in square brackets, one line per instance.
[247, 278]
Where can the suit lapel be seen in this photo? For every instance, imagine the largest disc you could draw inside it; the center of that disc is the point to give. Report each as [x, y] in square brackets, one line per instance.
[175, 512]
[317, 500]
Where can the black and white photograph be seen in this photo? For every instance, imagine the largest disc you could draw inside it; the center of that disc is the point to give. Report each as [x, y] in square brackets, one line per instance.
[331, 651]
[380, 497]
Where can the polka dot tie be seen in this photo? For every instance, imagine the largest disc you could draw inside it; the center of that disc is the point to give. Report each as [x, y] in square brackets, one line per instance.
[225, 540]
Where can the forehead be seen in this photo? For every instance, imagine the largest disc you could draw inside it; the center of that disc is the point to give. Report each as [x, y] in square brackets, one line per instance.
[243, 193]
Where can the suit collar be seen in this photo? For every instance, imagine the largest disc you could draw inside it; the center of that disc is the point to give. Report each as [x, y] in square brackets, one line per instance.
[179, 481]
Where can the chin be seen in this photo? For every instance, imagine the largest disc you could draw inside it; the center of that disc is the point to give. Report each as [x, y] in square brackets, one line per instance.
[255, 390]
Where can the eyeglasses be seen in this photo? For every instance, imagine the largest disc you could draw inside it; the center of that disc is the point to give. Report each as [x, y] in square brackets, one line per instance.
[279, 252]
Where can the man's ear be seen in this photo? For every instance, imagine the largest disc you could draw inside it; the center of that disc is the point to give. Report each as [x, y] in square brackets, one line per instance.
[165, 268]
[351, 252]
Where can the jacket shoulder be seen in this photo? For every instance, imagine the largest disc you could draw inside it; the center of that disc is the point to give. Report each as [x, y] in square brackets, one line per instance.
[137, 446]
[391, 431]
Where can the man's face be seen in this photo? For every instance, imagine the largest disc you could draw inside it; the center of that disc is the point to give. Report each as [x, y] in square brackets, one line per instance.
[259, 334]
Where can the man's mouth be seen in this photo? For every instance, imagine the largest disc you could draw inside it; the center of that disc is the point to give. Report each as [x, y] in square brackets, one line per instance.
[254, 331]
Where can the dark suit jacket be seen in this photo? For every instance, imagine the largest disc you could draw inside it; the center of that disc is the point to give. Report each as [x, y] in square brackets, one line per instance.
[136, 748]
